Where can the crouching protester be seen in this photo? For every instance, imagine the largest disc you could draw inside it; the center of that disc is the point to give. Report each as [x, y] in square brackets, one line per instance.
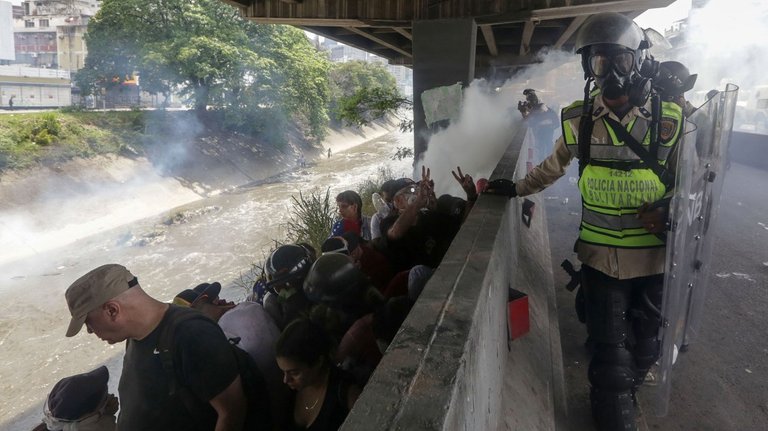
[205, 391]
[250, 328]
[80, 403]
[323, 393]
[626, 141]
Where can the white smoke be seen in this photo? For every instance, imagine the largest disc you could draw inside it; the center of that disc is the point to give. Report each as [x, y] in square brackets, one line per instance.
[489, 119]
[46, 208]
[726, 43]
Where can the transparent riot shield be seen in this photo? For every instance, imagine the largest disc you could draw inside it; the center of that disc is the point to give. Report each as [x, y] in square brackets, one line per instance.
[699, 181]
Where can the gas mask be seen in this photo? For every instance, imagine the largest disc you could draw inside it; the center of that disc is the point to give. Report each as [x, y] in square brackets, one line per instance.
[617, 72]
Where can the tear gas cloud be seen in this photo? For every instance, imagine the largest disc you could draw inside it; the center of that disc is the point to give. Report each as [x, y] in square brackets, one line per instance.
[489, 119]
[45, 210]
[725, 42]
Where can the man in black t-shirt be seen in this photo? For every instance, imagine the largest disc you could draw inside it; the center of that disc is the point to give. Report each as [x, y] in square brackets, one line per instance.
[112, 305]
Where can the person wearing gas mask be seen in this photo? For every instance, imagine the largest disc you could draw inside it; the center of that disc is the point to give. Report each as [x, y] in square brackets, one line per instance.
[541, 119]
[625, 139]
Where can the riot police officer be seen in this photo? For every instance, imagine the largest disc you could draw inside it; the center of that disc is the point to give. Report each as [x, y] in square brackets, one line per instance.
[625, 138]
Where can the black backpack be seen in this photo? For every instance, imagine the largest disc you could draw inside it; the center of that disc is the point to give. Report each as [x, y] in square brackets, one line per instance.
[258, 416]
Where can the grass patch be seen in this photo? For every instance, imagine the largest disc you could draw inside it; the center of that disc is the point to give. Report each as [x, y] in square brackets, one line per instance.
[27, 139]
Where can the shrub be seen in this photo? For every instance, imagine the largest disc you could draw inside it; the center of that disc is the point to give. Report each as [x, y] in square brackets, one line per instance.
[49, 123]
[43, 138]
[311, 218]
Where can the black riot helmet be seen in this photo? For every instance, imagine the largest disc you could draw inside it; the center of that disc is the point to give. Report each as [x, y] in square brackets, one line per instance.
[673, 80]
[288, 264]
[613, 53]
[531, 97]
[334, 278]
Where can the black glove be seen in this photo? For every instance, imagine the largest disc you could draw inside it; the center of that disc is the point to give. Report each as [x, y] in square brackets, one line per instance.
[501, 187]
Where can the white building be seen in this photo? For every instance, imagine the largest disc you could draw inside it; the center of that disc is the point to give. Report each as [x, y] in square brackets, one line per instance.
[34, 87]
[7, 52]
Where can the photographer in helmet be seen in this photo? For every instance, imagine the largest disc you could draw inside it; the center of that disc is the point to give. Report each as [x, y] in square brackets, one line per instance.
[540, 119]
[625, 137]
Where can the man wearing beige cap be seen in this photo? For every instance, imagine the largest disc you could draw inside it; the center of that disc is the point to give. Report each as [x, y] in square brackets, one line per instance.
[111, 304]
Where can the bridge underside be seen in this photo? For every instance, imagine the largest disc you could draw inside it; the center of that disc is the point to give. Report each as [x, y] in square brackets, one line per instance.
[451, 40]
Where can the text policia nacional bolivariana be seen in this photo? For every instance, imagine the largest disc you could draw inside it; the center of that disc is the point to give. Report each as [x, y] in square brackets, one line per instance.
[621, 190]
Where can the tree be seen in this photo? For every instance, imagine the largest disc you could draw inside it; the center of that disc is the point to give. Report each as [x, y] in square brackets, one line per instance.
[256, 74]
[348, 78]
[296, 77]
[194, 45]
[370, 104]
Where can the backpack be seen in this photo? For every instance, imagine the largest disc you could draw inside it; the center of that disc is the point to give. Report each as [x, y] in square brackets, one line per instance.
[258, 416]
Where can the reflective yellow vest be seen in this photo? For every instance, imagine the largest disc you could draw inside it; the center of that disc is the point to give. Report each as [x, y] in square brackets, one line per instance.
[616, 182]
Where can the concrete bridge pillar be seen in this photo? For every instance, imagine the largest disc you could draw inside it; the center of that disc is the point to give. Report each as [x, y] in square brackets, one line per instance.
[443, 54]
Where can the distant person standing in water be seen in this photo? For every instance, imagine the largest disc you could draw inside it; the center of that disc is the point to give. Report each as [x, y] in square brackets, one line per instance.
[329, 153]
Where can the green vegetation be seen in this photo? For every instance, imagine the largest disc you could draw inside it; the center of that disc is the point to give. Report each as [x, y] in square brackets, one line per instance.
[252, 80]
[312, 214]
[311, 218]
[28, 139]
[262, 77]
[347, 79]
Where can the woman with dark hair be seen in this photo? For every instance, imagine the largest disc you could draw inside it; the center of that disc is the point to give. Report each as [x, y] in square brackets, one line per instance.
[324, 395]
[352, 219]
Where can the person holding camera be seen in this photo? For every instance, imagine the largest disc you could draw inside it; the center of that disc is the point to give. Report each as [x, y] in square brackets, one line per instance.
[540, 119]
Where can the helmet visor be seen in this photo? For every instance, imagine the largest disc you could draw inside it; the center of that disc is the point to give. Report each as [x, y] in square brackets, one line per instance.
[600, 64]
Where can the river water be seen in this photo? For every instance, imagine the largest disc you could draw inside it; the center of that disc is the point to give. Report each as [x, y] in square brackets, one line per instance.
[217, 239]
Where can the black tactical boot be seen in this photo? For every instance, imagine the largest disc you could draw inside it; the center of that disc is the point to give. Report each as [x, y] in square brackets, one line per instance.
[613, 411]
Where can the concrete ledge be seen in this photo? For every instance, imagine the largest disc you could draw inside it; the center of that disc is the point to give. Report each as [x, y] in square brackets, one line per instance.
[449, 368]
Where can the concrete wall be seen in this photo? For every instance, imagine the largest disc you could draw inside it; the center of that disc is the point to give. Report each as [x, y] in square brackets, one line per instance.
[749, 149]
[450, 366]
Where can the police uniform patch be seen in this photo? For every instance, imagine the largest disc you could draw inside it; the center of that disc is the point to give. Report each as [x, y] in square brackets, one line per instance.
[667, 128]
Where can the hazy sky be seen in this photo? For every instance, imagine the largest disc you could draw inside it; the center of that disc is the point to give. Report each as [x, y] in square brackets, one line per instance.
[659, 19]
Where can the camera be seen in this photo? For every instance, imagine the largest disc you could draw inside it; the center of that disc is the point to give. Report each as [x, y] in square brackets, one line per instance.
[523, 107]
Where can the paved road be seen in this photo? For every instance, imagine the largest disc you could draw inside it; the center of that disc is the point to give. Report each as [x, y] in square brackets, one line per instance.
[721, 383]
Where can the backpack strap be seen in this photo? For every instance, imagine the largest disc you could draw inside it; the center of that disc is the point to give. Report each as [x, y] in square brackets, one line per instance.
[655, 129]
[637, 148]
[166, 342]
[586, 125]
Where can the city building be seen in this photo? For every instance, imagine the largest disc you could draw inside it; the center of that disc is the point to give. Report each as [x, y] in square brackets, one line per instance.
[50, 33]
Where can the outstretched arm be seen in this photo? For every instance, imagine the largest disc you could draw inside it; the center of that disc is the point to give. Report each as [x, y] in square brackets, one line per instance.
[230, 405]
